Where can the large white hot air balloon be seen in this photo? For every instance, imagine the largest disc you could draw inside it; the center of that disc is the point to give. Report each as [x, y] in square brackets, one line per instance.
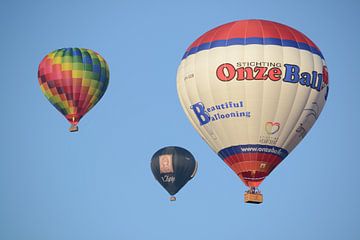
[252, 89]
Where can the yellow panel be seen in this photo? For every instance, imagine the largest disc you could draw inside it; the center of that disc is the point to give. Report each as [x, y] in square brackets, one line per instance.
[57, 60]
[66, 66]
[86, 82]
[76, 73]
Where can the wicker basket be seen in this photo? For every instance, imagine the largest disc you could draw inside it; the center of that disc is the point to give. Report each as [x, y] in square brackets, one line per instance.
[256, 198]
[73, 128]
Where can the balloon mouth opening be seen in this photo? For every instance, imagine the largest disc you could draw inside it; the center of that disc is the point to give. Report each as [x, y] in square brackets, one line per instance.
[250, 182]
[73, 118]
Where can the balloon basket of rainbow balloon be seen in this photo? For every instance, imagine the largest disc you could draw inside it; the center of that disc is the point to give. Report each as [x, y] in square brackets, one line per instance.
[253, 195]
[74, 128]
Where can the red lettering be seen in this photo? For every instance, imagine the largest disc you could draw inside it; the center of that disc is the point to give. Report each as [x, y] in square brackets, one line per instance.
[227, 72]
[260, 73]
[241, 73]
[274, 74]
[228, 75]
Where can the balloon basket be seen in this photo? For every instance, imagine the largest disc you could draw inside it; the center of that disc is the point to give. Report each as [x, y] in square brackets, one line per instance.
[172, 198]
[253, 195]
[73, 128]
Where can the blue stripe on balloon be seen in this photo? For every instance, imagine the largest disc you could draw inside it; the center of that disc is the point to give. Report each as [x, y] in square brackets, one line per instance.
[96, 68]
[76, 52]
[87, 59]
[253, 40]
[252, 148]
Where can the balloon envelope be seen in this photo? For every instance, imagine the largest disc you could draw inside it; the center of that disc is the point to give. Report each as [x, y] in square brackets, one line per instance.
[73, 80]
[252, 89]
[173, 167]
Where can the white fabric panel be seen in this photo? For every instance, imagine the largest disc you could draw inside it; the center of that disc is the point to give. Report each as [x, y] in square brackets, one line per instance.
[280, 112]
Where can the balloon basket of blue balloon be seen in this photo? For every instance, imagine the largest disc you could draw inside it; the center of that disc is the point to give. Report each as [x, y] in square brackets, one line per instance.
[172, 198]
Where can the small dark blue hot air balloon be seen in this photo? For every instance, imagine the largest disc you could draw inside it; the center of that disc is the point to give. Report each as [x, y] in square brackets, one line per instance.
[173, 167]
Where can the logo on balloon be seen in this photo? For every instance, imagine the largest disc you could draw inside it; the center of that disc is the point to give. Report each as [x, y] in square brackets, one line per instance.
[272, 127]
[227, 72]
[221, 111]
[168, 179]
[166, 165]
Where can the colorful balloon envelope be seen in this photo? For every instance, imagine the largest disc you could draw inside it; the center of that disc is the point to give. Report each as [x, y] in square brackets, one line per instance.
[173, 167]
[252, 89]
[73, 80]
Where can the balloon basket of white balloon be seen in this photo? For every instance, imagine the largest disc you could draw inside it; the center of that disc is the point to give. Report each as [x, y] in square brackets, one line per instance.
[73, 128]
[253, 195]
[172, 198]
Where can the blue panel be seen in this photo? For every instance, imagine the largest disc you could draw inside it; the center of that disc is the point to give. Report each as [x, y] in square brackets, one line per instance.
[253, 40]
[252, 148]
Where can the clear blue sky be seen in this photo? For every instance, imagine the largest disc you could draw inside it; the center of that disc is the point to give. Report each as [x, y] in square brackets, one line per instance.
[97, 184]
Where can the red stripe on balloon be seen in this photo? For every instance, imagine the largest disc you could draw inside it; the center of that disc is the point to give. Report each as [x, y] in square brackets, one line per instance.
[252, 29]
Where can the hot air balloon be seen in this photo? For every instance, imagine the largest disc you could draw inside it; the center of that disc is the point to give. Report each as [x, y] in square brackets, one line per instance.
[73, 80]
[252, 89]
[173, 167]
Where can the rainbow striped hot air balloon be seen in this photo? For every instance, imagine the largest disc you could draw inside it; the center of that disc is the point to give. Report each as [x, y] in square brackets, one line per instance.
[73, 80]
[253, 89]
